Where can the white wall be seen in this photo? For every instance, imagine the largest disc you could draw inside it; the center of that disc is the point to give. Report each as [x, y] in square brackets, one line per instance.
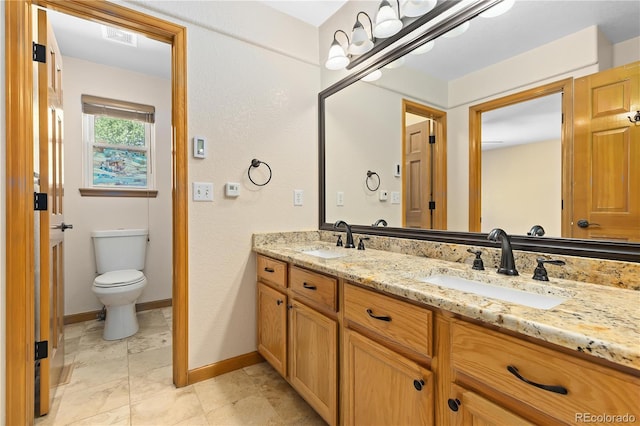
[626, 52]
[250, 101]
[522, 182]
[95, 213]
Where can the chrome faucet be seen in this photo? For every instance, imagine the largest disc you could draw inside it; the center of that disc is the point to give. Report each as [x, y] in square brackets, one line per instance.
[536, 231]
[507, 264]
[349, 243]
[380, 222]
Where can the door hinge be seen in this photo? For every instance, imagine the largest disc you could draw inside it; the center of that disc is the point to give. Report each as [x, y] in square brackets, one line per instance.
[39, 52]
[432, 205]
[432, 139]
[40, 201]
[42, 349]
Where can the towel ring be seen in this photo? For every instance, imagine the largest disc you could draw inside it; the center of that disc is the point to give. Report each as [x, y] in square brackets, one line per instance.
[366, 181]
[256, 163]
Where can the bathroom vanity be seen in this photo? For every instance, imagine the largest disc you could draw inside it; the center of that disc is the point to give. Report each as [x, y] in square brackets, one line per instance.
[365, 338]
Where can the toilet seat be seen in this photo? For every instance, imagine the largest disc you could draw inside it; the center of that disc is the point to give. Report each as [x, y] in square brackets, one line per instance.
[120, 278]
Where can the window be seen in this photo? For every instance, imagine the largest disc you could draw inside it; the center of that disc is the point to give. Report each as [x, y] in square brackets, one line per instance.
[119, 143]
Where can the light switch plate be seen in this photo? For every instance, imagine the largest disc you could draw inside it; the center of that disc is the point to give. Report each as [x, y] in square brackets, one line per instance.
[340, 198]
[202, 191]
[395, 197]
[298, 197]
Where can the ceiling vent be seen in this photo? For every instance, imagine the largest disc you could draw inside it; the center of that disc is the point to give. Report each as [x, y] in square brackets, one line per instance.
[119, 36]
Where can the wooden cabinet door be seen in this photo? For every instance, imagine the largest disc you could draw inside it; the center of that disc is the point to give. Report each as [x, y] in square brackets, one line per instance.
[383, 387]
[606, 169]
[313, 355]
[470, 409]
[272, 327]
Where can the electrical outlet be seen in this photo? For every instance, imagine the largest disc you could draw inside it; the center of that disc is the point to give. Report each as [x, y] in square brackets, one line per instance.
[340, 198]
[298, 197]
[395, 197]
[202, 191]
[232, 189]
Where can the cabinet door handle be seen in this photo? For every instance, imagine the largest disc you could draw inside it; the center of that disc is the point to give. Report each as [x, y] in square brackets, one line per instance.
[418, 384]
[270, 270]
[279, 302]
[551, 388]
[378, 317]
[309, 286]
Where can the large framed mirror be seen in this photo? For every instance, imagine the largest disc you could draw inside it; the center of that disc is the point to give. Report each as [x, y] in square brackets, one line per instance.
[515, 71]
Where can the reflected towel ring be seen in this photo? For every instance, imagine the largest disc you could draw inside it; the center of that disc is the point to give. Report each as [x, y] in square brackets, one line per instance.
[366, 181]
[256, 163]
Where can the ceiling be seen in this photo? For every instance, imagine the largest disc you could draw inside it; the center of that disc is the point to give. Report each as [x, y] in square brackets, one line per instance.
[314, 12]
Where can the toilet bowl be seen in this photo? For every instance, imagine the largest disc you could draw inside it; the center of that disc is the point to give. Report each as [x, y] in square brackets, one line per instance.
[120, 258]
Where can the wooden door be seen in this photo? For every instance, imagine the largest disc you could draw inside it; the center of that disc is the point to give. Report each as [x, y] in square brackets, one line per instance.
[606, 169]
[313, 368]
[473, 410]
[383, 387]
[51, 244]
[418, 175]
[272, 327]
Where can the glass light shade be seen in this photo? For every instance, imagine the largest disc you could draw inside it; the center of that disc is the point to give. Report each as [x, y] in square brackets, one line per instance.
[372, 76]
[498, 9]
[337, 58]
[457, 30]
[360, 41]
[395, 64]
[415, 8]
[387, 21]
[424, 48]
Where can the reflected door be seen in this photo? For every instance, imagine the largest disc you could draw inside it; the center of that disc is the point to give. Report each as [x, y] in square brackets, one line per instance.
[606, 177]
[418, 176]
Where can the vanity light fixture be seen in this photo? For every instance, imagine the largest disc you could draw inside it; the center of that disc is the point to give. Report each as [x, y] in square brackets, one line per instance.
[498, 9]
[424, 48]
[388, 20]
[415, 8]
[372, 76]
[337, 58]
[360, 40]
[457, 30]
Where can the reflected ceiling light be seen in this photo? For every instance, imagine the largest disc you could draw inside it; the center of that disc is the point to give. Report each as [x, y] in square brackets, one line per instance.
[337, 58]
[388, 21]
[372, 76]
[415, 8]
[360, 40]
[395, 64]
[498, 9]
[424, 48]
[457, 30]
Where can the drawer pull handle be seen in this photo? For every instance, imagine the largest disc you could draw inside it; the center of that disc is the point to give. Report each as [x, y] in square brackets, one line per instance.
[557, 389]
[378, 317]
[309, 286]
[418, 384]
[454, 404]
[270, 270]
[279, 302]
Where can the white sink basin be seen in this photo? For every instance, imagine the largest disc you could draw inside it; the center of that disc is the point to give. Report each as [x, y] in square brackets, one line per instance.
[533, 300]
[324, 253]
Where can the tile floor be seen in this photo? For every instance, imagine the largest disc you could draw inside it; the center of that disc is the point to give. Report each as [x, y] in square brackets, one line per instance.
[128, 382]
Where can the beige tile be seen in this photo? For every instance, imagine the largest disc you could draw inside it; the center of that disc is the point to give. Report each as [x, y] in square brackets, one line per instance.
[101, 351]
[92, 401]
[50, 418]
[149, 360]
[225, 389]
[86, 376]
[169, 407]
[199, 420]
[143, 342]
[252, 410]
[152, 322]
[118, 417]
[94, 325]
[150, 383]
[72, 331]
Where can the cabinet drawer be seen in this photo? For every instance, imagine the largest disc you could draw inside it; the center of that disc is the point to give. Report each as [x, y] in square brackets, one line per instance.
[272, 271]
[574, 387]
[315, 287]
[400, 322]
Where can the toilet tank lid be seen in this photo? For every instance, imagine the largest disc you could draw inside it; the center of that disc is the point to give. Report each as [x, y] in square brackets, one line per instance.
[119, 232]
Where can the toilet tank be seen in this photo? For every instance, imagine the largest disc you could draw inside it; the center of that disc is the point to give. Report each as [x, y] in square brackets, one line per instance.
[118, 249]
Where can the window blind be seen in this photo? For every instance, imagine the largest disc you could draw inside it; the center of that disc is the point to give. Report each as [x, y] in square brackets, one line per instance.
[118, 109]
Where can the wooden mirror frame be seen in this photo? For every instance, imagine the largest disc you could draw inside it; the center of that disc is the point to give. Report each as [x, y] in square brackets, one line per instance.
[596, 249]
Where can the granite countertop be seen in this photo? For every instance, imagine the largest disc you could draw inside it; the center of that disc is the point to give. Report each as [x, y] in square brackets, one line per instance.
[598, 320]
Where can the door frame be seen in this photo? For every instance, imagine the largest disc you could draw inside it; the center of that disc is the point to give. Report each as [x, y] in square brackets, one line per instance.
[439, 160]
[565, 87]
[19, 186]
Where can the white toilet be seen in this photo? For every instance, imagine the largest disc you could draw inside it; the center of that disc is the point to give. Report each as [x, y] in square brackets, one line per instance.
[120, 256]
